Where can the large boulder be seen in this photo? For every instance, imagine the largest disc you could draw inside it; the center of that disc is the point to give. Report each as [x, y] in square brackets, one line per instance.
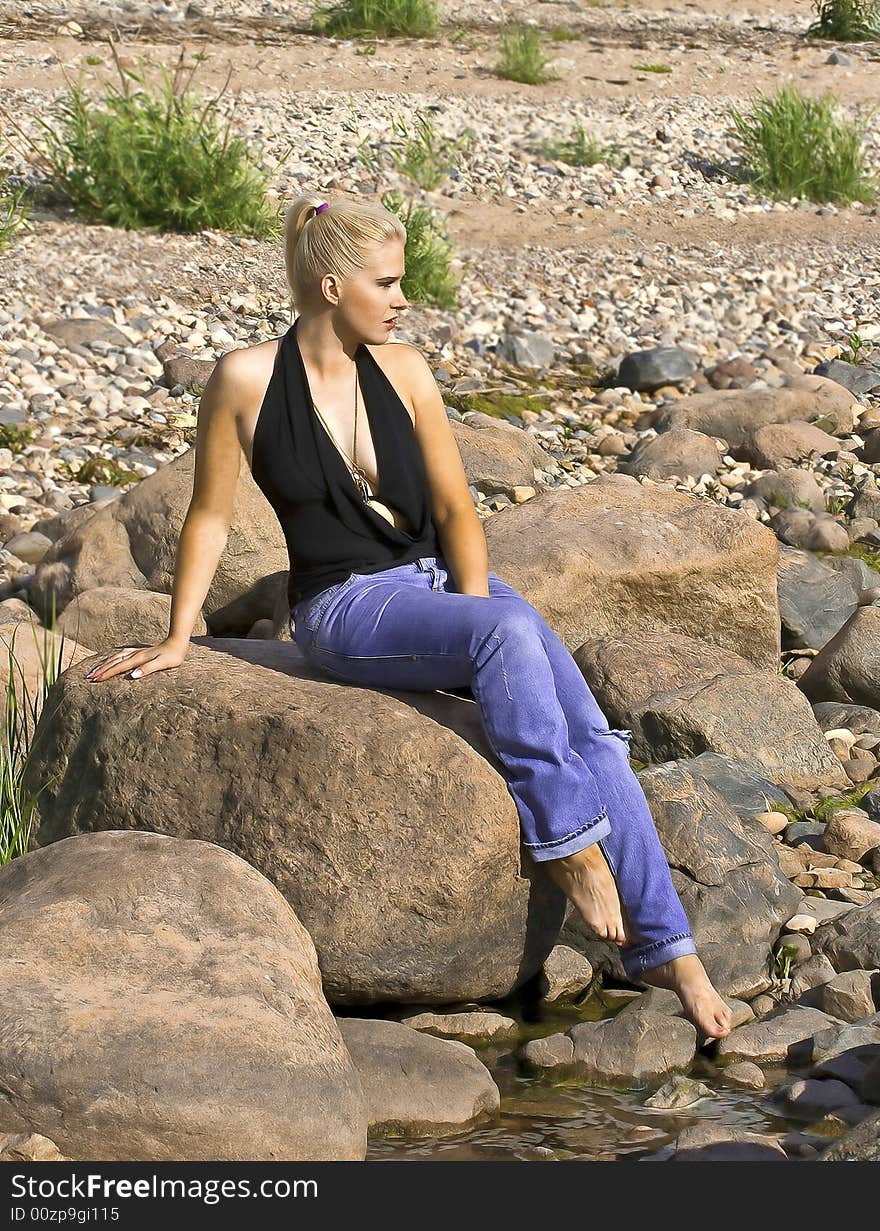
[380, 816]
[417, 1084]
[682, 697]
[497, 456]
[673, 454]
[815, 601]
[132, 542]
[851, 942]
[735, 414]
[846, 668]
[161, 1002]
[110, 616]
[616, 555]
[626, 1051]
[727, 875]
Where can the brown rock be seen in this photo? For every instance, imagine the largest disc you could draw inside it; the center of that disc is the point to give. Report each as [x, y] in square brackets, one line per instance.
[358, 805]
[496, 455]
[775, 445]
[162, 1002]
[617, 555]
[845, 669]
[112, 616]
[736, 414]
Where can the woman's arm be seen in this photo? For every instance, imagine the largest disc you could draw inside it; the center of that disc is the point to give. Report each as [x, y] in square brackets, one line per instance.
[206, 526]
[459, 528]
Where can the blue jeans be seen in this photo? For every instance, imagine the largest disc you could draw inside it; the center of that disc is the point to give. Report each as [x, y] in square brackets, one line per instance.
[567, 771]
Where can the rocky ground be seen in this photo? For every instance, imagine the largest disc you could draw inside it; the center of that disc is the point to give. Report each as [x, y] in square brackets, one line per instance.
[627, 339]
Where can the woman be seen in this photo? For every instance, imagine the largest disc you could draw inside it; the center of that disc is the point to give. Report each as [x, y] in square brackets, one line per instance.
[389, 584]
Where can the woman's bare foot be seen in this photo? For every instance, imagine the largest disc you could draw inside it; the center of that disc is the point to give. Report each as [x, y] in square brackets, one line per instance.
[586, 880]
[686, 976]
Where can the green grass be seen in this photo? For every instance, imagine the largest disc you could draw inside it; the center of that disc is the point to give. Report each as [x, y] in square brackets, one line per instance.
[14, 437]
[429, 277]
[581, 150]
[522, 56]
[846, 21]
[13, 210]
[795, 146]
[651, 68]
[18, 805]
[376, 18]
[134, 158]
[823, 809]
[422, 155]
[562, 34]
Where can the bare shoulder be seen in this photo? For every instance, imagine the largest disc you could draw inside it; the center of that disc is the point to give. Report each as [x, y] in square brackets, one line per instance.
[248, 370]
[406, 368]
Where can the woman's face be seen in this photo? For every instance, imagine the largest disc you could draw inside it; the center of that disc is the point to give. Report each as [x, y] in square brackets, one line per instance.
[372, 296]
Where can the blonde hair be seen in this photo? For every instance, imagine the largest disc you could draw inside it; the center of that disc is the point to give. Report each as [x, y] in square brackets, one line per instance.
[336, 241]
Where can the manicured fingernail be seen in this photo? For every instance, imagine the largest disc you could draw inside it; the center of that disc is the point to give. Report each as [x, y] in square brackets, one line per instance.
[135, 673]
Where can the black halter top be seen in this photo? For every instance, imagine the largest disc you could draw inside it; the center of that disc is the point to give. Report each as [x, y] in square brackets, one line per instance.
[329, 529]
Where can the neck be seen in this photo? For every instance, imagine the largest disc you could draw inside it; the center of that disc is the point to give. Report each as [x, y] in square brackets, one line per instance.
[328, 350]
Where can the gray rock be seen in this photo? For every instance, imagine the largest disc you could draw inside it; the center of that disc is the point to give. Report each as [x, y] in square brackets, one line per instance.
[860, 719]
[745, 1075]
[734, 414]
[784, 1038]
[815, 601]
[679, 1092]
[860, 575]
[526, 348]
[845, 669]
[773, 446]
[469, 1027]
[870, 802]
[860, 1144]
[852, 942]
[810, 1098]
[679, 452]
[852, 995]
[862, 1038]
[680, 697]
[787, 489]
[565, 974]
[858, 378]
[632, 1050]
[740, 783]
[70, 332]
[415, 1083]
[712, 1142]
[647, 370]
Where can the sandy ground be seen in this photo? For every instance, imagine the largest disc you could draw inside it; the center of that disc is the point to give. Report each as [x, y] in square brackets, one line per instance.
[711, 63]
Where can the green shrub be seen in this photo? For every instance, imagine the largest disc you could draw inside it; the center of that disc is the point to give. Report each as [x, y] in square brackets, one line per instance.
[651, 68]
[522, 57]
[429, 277]
[145, 160]
[13, 210]
[425, 157]
[797, 146]
[581, 151]
[562, 34]
[376, 18]
[17, 804]
[846, 21]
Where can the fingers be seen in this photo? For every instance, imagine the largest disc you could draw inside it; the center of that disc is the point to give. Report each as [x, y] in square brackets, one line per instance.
[117, 663]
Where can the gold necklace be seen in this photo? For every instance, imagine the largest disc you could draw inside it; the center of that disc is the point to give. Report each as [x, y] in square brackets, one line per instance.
[358, 473]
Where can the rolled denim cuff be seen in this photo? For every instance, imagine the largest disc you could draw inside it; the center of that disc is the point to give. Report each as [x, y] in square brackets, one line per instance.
[578, 840]
[636, 962]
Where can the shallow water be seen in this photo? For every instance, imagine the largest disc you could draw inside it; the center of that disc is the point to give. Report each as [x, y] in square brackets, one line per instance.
[555, 1118]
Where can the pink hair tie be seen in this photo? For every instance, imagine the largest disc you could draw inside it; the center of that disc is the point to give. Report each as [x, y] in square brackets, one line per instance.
[324, 205]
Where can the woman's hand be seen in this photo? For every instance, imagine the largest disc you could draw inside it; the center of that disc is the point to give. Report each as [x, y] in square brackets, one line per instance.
[138, 662]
